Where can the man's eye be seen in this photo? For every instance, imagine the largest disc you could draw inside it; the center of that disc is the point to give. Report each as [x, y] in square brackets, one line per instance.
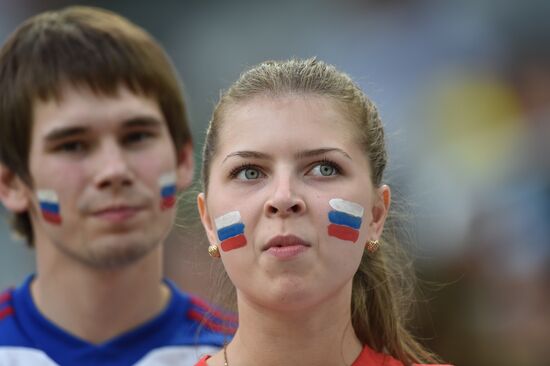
[137, 137]
[325, 169]
[249, 174]
[71, 146]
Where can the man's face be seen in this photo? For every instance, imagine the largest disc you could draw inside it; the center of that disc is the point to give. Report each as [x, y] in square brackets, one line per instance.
[100, 166]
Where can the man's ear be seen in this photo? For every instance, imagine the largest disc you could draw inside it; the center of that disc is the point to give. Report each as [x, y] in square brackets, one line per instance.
[13, 191]
[380, 209]
[185, 166]
[205, 218]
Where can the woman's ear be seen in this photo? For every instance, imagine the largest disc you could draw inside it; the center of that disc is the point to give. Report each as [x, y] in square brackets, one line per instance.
[380, 209]
[14, 193]
[205, 218]
[185, 166]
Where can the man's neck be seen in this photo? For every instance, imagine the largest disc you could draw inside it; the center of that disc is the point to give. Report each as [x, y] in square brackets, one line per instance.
[97, 305]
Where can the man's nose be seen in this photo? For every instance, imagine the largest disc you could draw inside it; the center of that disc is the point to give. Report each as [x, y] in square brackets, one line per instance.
[114, 170]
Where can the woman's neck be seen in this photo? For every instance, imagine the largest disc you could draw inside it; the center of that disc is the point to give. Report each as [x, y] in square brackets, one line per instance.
[318, 335]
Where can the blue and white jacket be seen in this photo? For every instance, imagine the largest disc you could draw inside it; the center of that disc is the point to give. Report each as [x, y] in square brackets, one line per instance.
[184, 331]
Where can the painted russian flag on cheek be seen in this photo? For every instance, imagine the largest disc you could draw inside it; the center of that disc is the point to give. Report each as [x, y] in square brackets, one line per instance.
[167, 183]
[345, 219]
[49, 206]
[230, 231]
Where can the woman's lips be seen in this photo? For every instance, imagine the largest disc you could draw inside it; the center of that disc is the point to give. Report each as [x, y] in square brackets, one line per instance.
[287, 252]
[286, 246]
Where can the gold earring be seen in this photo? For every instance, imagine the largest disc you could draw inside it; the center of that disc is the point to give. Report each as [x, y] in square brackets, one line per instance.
[373, 245]
[214, 251]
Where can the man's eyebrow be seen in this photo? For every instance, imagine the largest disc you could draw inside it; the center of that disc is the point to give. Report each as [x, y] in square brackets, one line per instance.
[143, 121]
[61, 133]
[64, 132]
[322, 151]
[247, 154]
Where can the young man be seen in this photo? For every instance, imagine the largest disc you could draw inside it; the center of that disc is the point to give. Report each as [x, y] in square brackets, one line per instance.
[94, 144]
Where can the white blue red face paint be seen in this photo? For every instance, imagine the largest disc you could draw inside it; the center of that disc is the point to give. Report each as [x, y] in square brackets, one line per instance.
[168, 190]
[49, 206]
[345, 219]
[230, 231]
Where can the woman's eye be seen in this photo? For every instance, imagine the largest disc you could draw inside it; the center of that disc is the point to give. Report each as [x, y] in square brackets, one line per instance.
[324, 170]
[249, 174]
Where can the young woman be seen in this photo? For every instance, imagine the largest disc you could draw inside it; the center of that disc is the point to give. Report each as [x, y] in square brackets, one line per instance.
[295, 205]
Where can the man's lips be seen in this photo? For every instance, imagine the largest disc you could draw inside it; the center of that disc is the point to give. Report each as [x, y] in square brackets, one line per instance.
[117, 212]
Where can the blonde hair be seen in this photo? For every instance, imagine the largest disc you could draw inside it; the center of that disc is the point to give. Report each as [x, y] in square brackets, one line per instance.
[383, 285]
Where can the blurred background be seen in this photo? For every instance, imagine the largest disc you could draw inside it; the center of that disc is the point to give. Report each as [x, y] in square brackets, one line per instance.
[464, 90]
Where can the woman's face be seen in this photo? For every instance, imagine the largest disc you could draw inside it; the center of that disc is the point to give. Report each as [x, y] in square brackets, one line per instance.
[290, 201]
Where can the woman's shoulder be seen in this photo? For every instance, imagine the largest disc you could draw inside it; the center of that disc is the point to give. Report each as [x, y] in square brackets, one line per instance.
[370, 357]
[366, 357]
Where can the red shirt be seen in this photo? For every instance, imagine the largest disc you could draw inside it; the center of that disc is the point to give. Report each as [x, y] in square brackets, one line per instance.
[367, 357]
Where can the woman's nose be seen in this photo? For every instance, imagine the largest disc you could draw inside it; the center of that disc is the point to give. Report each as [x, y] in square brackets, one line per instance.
[284, 200]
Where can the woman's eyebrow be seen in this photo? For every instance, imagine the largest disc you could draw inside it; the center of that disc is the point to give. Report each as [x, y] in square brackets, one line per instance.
[247, 154]
[322, 151]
